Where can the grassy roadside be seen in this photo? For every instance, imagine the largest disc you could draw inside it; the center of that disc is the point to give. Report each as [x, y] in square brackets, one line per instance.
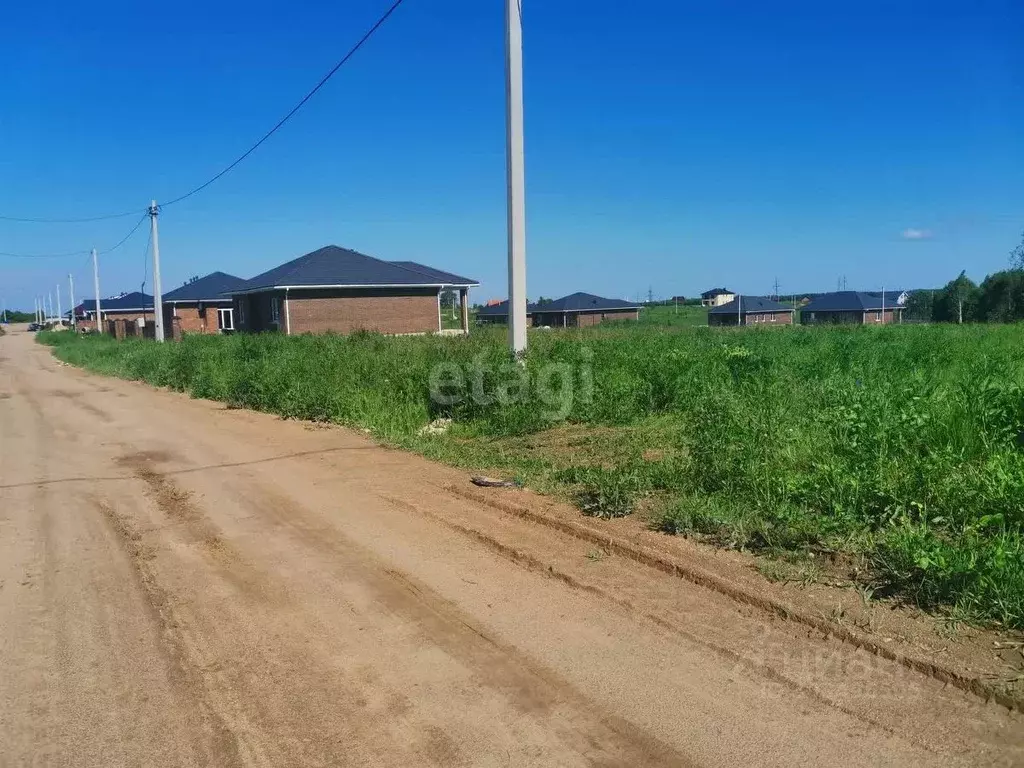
[895, 454]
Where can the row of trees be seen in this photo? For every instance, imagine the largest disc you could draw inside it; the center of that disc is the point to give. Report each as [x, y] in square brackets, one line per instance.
[999, 298]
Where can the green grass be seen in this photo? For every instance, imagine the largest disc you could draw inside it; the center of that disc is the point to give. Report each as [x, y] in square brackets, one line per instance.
[683, 316]
[895, 452]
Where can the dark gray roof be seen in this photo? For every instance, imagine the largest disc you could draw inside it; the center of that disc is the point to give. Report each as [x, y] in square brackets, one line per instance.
[715, 292]
[130, 302]
[749, 304]
[332, 266]
[582, 302]
[446, 278]
[849, 301]
[209, 288]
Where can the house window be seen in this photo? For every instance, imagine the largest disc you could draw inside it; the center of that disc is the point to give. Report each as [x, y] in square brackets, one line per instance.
[275, 310]
[226, 319]
[241, 310]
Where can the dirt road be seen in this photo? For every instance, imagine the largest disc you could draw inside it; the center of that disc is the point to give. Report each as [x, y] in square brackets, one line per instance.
[182, 584]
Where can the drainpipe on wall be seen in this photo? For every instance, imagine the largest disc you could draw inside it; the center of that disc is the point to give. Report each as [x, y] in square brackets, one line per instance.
[287, 315]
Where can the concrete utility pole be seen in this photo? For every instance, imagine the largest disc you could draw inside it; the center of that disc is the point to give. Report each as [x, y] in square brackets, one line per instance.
[96, 287]
[60, 313]
[739, 310]
[49, 306]
[158, 300]
[514, 150]
[71, 286]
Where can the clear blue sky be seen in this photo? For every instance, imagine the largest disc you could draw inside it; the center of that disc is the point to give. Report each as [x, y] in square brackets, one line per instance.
[671, 145]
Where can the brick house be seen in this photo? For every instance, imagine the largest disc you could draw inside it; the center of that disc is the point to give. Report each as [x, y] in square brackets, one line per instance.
[751, 310]
[577, 310]
[851, 308]
[716, 297]
[497, 313]
[340, 290]
[200, 306]
[131, 307]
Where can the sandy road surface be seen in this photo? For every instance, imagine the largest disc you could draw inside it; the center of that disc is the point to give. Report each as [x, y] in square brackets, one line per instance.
[182, 584]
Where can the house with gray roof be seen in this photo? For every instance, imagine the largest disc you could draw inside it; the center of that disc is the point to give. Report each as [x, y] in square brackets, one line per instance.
[852, 308]
[751, 310]
[577, 310]
[202, 305]
[340, 290]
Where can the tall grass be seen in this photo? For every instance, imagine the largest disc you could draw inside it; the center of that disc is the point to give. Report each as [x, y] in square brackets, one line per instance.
[903, 446]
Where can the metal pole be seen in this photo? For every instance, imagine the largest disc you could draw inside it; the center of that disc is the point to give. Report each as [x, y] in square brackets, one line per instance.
[96, 287]
[71, 286]
[158, 301]
[516, 171]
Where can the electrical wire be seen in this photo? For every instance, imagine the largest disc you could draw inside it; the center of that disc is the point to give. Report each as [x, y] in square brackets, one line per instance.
[76, 253]
[41, 255]
[352, 51]
[145, 262]
[69, 221]
[128, 236]
[195, 190]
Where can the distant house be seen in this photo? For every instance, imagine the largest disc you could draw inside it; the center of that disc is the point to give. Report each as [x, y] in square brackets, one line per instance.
[716, 297]
[128, 306]
[497, 312]
[201, 306]
[341, 290]
[578, 310]
[750, 310]
[851, 307]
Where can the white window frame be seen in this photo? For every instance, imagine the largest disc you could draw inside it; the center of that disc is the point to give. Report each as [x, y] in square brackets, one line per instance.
[228, 312]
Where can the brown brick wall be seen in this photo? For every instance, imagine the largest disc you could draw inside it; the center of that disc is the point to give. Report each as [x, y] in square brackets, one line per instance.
[855, 318]
[582, 319]
[769, 318]
[415, 311]
[342, 311]
[196, 320]
[876, 318]
[585, 319]
[752, 318]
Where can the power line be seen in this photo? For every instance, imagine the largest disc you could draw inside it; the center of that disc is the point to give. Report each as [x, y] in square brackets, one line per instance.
[297, 107]
[145, 262]
[280, 123]
[128, 236]
[75, 253]
[69, 221]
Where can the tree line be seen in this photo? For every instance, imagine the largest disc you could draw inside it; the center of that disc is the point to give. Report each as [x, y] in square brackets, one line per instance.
[999, 298]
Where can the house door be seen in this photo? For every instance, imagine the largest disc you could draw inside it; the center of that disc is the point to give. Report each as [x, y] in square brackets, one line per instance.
[226, 319]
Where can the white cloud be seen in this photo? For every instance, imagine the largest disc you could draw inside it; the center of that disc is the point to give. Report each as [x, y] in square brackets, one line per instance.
[912, 233]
